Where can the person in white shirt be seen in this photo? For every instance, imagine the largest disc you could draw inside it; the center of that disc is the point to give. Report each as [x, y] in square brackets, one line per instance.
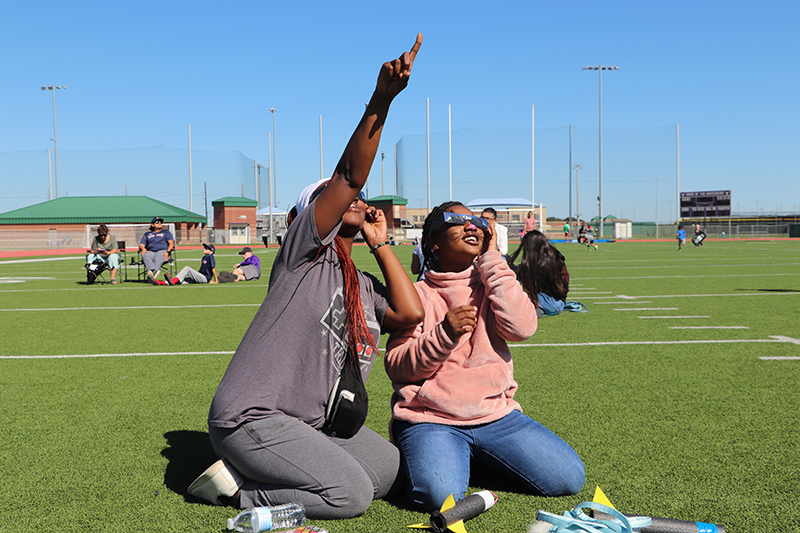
[502, 232]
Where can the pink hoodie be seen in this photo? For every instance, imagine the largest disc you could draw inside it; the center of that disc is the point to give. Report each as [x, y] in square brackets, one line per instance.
[470, 381]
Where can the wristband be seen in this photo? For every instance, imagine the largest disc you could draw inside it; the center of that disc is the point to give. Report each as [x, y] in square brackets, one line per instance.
[372, 250]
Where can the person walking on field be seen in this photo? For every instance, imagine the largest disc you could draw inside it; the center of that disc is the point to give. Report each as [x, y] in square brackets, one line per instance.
[681, 237]
[530, 223]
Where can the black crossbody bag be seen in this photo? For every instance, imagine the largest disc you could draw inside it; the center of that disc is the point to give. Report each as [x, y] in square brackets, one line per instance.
[348, 403]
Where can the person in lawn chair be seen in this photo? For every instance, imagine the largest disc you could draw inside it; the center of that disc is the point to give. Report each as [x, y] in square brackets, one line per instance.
[155, 248]
[102, 254]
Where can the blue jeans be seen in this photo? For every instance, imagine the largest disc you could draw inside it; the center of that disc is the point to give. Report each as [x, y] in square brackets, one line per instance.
[437, 458]
[112, 259]
[549, 305]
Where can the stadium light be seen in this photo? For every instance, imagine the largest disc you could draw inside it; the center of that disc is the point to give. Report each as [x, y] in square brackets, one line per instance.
[600, 69]
[55, 131]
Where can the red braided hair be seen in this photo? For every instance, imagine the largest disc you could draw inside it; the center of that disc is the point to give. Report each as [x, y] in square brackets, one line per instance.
[357, 330]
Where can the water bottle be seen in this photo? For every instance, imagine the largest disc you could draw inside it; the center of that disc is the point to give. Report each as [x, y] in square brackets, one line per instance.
[266, 518]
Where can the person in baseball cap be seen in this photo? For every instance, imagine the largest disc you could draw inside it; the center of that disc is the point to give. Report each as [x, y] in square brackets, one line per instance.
[248, 269]
[155, 248]
[206, 274]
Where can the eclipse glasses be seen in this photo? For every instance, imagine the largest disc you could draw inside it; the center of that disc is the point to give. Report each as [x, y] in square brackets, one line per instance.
[457, 219]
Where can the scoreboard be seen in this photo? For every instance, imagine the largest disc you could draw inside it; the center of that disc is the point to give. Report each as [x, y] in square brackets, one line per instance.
[705, 204]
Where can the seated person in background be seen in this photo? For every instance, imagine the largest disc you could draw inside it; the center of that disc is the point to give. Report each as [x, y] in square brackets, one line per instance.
[249, 268]
[542, 273]
[155, 247]
[207, 273]
[104, 247]
[502, 232]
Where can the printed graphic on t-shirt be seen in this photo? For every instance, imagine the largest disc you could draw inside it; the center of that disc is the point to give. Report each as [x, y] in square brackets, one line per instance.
[334, 323]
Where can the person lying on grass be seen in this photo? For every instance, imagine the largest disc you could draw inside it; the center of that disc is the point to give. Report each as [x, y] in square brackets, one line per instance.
[452, 375]
[321, 317]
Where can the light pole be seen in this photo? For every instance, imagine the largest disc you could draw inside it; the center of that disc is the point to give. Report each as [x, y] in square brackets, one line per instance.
[578, 168]
[272, 164]
[383, 156]
[55, 131]
[600, 69]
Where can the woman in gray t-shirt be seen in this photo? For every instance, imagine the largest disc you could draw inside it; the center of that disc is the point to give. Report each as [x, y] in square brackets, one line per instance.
[267, 420]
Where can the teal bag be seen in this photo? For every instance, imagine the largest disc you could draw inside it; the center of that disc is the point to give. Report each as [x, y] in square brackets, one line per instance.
[576, 307]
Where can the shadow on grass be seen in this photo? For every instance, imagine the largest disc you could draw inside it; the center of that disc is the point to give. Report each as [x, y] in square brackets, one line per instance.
[770, 290]
[189, 453]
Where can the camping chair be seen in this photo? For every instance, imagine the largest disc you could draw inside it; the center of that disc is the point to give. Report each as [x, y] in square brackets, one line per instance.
[170, 266]
[95, 270]
[123, 261]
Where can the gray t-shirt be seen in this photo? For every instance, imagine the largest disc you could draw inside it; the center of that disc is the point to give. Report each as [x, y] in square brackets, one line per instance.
[294, 349]
[110, 244]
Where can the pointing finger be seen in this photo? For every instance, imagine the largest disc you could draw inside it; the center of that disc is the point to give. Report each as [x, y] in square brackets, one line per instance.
[415, 48]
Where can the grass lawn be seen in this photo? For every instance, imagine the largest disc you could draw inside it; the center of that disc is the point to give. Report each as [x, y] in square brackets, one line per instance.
[680, 390]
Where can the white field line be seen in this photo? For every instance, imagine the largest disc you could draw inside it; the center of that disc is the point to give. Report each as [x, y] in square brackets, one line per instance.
[21, 278]
[648, 309]
[60, 258]
[781, 358]
[108, 355]
[764, 293]
[622, 303]
[132, 307]
[676, 316]
[612, 266]
[578, 293]
[700, 275]
[773, 338]
[82, 258]
[709, 327]
[128, 286]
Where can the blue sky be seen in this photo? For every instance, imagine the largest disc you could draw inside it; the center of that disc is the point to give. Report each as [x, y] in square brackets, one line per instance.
[139, 73]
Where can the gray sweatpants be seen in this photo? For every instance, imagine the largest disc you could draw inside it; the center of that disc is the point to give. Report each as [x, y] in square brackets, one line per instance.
[193, 275]
[153, 260]
[286, 460]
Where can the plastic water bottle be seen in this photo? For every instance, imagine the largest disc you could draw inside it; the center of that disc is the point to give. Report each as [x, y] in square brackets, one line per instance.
[267, 518]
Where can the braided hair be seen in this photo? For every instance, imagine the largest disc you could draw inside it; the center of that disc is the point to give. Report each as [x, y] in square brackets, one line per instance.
[431, 261]
[356, 323]
[542, 268]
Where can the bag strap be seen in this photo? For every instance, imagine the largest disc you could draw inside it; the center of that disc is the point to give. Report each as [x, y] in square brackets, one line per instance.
[575, 520]
[575, 307]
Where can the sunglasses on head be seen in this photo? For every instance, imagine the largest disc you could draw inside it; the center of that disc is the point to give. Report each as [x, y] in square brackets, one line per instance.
[457, 219]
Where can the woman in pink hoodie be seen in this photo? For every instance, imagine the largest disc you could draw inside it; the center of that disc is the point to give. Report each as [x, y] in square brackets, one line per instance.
[453, 374]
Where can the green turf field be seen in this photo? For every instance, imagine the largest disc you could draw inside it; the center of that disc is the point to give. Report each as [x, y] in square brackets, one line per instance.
[680, 389]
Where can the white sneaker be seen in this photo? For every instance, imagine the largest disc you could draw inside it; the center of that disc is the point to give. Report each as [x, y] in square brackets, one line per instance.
[220, 479]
